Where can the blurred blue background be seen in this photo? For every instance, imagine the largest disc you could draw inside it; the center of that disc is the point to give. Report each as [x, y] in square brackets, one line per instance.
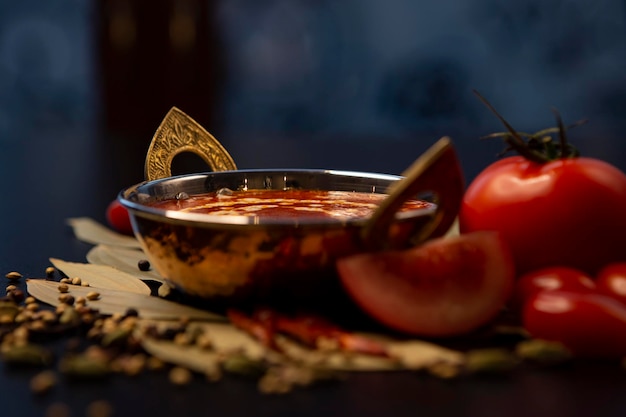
[352, 84]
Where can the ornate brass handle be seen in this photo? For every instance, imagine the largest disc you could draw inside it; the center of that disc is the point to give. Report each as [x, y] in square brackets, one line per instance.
[179, 133]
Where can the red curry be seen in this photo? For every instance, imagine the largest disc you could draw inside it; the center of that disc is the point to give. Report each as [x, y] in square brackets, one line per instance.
[285, 203]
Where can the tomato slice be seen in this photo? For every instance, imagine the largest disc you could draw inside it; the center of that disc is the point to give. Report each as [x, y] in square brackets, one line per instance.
[445, 287]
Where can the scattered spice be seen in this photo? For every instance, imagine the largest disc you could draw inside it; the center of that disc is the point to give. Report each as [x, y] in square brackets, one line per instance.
[543, 352]
[58, 409]
[490, 360]
[29, 354]
[13, 276]
[143, 265]
[164, 290]
[180, 376]
[115, 342]
[99, 408]
[43, 382]
[92, 295]
[66, 298]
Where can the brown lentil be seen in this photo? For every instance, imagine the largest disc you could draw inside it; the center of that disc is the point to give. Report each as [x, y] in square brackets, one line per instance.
[50, 271]
[11, 288]
[63, 288]
[76, 281]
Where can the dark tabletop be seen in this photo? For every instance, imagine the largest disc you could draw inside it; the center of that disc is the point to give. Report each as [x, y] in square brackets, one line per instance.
[52, 177]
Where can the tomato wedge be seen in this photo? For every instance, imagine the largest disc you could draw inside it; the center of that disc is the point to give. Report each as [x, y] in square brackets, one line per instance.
[445, 287]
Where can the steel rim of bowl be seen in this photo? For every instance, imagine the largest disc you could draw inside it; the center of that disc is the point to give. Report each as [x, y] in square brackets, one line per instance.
[378, 183]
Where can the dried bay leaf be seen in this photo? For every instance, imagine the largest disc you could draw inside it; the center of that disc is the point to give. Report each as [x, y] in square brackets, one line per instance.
[406, 355]
[123, 259]
[190, 357]
[336, 360]
[118, 302]
[90, 231]
[225, 339]
[419, 354]
[102, 276]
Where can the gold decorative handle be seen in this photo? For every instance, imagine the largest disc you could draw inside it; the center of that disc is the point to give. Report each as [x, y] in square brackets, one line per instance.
[179, 133]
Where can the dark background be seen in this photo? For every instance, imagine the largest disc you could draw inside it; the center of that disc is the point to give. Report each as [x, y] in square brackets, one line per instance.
[353, 84]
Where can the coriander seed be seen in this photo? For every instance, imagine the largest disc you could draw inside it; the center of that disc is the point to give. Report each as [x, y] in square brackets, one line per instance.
[92, 295]
[13, 276]
[67, 298]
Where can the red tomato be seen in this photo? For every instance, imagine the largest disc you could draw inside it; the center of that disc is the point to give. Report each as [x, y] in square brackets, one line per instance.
[611, 280]
[590, 325]
[445, 287]
[567, 212]
[118, 218]
[551, 278]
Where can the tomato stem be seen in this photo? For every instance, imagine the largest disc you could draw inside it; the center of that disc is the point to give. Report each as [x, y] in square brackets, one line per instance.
[537, 147]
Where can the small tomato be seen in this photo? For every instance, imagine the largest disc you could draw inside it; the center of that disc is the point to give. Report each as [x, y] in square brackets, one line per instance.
[118, 218]
[444, 287]
[550, 278]
[590, 325]
[611, 280]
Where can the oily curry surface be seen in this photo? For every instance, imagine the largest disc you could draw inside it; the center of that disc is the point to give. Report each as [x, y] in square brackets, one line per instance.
[313, 204]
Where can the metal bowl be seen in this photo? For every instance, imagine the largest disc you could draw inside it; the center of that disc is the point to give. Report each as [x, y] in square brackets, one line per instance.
[239, 259]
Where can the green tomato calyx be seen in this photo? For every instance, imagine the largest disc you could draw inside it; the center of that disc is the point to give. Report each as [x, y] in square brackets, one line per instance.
[539, 147]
